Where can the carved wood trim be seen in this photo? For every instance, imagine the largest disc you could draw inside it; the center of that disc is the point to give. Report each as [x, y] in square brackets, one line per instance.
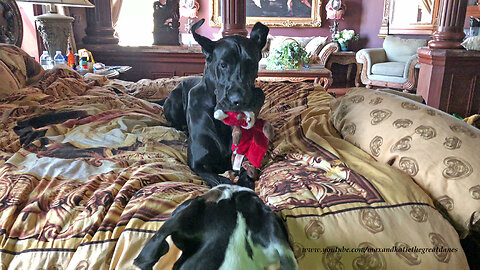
[363, 76]
[11, 22]
[314, 21]
[324, 57]
[449, 34]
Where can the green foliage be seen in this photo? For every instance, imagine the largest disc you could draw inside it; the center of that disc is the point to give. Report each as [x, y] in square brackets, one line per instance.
[290, 55]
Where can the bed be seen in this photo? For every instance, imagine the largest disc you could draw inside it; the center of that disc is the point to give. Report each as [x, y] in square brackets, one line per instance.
[90, 170]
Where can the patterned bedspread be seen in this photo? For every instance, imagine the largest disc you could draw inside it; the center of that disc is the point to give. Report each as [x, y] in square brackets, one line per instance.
[89, 171]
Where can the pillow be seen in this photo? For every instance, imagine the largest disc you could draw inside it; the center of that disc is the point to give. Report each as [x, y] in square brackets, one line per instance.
[400, 49]
[277, 41]
[439, 151]
[315, 45]
[472, 43]
[17, 69]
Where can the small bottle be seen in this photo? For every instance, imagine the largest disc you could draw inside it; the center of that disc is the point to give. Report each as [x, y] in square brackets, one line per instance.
[83, 62]
[58, 59]
[70, 58]
[90, 65]
[45, 60]
[77, 62]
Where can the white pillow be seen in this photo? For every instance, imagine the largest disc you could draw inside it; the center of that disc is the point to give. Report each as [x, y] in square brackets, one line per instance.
[315, 45]
[472, 43]
[277, 41]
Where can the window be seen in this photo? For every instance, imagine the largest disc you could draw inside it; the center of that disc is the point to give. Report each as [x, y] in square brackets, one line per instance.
[134, 26]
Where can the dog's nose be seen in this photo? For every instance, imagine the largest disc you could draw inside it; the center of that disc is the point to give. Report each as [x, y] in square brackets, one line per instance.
[235, 99]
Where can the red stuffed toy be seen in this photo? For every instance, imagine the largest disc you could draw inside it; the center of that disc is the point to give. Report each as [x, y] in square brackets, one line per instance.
[250, 139]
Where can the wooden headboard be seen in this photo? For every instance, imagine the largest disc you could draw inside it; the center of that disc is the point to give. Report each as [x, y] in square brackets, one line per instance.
[11, 26]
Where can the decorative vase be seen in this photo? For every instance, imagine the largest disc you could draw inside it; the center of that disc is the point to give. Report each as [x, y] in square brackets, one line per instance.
[344, 46]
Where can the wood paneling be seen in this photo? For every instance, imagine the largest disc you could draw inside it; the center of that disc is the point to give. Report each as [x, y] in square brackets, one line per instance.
[151, 62]
[474, 11]
[450, 80]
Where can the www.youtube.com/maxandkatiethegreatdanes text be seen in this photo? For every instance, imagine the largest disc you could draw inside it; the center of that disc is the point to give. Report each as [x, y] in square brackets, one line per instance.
[367, 249]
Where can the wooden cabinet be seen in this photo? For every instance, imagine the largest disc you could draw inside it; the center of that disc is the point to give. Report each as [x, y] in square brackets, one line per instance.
[449, 80]
[151, 62]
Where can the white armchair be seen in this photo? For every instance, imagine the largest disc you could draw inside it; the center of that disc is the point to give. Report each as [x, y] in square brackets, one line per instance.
[391, 66]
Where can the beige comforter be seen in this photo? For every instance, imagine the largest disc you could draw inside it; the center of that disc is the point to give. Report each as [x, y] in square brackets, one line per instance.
[88, 173]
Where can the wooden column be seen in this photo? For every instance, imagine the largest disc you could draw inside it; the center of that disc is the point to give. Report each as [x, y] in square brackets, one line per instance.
[449, 34]
[234, 17]
[99, 24]
[449, 77]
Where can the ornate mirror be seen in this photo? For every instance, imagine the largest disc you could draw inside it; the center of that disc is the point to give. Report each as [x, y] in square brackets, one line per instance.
[409, 17]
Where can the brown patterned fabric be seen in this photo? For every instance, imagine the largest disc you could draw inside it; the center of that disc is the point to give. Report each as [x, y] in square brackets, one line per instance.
[88, 174]
[147, 89]
[17, 69]
[437, 150]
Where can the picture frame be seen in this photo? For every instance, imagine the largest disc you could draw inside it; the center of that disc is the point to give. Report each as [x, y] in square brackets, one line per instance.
[274, 18]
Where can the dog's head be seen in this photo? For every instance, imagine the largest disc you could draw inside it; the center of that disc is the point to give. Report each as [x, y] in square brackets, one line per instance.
[232, 67]
[229, 227]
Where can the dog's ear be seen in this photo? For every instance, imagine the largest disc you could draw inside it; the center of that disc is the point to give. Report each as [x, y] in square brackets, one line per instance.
[157, 246]
[206, 43]
[259, 34]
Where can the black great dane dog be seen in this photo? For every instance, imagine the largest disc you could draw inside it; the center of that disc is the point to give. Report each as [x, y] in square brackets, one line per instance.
[228, 85]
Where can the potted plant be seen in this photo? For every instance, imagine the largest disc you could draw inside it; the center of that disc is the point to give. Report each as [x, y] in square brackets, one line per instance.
[344, 37]
[290, 55]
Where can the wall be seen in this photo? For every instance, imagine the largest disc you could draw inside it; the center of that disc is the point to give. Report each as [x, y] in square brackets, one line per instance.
[29, 43]
[363, 16]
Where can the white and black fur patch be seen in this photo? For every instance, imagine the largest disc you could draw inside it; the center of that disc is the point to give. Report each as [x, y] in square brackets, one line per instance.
[228, 228]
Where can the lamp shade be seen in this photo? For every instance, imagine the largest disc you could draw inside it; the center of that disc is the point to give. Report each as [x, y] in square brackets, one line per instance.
[335, 9]
[71, 3]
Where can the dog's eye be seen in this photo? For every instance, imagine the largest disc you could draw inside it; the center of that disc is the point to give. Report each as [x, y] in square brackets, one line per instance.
[223, 65]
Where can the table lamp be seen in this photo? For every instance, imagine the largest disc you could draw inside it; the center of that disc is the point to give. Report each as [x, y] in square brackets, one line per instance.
[53, 27]
[335, 11]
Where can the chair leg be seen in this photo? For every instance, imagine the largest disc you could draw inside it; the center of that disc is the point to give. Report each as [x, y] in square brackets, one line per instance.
[357, 75]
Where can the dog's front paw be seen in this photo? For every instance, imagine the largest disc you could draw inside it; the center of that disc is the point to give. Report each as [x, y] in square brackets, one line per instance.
[245, 181]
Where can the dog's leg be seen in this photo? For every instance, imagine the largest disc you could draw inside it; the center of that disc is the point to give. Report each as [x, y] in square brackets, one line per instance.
[244, 180]
[174, 107]
[214, 179]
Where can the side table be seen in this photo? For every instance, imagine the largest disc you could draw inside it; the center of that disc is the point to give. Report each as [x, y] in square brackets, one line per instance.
[345, 58]
[316, 73]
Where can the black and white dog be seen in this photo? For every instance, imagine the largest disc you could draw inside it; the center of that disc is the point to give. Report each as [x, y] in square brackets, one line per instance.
[227, 228]
[227, 85]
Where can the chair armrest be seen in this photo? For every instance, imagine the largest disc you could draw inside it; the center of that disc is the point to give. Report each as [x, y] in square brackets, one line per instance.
[326, 51]
[369, 57]
[410, 64]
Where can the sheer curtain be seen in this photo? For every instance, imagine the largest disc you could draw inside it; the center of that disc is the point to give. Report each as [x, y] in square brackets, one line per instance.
[116, 7]
[133, 21]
